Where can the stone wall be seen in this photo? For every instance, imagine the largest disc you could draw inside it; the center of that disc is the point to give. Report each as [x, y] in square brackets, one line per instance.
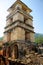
[32, 38]
[29, 21]
[18, 16]
[18, 34]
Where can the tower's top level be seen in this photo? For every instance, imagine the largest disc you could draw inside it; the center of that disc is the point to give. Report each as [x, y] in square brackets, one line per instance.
[24, 7]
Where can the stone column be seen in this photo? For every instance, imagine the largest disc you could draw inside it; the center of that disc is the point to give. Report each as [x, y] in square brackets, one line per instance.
[18, 34]
[27, 36]
[32, 38]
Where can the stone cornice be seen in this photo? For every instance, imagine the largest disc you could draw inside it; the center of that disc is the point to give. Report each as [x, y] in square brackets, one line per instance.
[20, 22]
[19, 11]
[20, 27]
[23, 5]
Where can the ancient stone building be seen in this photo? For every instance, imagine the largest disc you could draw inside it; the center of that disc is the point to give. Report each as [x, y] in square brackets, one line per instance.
[19, 36]
[19, 23]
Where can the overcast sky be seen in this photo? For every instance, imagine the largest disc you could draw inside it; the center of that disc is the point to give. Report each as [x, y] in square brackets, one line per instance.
[37, 13]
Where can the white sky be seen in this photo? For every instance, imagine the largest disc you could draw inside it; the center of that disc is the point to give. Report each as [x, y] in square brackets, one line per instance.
[35, 5]
[4, 5]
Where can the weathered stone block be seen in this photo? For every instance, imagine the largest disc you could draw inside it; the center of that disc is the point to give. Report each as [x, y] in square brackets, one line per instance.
[29, 21]
[5, 38]
[18, 16]
[18, 34]
[32, 37]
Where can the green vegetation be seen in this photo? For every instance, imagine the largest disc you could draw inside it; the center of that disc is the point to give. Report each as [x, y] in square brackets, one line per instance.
[39, 38]
[1, 38]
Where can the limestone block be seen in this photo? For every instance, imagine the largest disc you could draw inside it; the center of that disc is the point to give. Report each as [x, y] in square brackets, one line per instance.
[11, 10]
[27, 35]
[18, 6]
[32, 39]
[14, 35]
[9, 21]
[21, 34]
[18, 16]
[27, 11]
[18, 34]
[29, 21]
[5, 38]
[25, 26]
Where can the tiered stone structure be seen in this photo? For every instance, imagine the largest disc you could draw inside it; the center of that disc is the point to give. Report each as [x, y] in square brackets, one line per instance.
[19, 23]
[18, 31]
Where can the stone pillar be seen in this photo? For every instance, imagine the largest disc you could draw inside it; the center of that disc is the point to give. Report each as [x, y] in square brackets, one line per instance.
[27, 36]
[8, 36]
[5, 38]
[32, 39]
[18, 34]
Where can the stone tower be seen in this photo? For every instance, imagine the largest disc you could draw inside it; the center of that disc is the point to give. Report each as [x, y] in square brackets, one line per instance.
[19, 23]
[19, 32]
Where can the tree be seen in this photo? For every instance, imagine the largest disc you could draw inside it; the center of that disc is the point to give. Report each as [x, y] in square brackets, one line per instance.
[39, 39]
